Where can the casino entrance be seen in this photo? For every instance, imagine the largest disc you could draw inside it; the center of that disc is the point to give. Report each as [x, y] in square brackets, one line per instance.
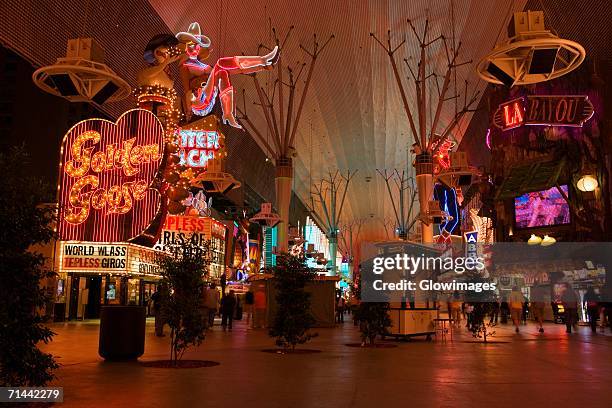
[85, 294]
[89, 292]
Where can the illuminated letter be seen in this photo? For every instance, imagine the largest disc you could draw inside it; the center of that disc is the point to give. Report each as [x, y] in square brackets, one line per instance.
[81, 155]
[80, 200]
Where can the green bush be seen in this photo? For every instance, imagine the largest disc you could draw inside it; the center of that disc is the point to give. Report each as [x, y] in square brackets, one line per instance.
[182, 279]
[293, 319]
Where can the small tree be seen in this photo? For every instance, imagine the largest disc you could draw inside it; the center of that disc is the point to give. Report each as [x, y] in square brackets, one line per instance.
[182, 275]
[24, 224]
[293, 319]
[480, 328]
[373, 318]
[483, 303]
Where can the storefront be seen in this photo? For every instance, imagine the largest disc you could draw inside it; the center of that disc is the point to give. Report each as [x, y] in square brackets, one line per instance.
[316, 243]
[93, 274]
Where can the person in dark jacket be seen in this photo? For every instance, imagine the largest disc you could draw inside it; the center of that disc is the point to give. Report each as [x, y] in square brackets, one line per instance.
[592, 306]
[249, 300]
[228, 306]
[569, 298]
[494, 312]
[159, 298]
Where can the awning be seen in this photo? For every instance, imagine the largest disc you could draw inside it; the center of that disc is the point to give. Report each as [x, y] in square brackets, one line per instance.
[531, 177]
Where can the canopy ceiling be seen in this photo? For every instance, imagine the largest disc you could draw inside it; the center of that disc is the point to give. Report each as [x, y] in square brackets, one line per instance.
[353, 116]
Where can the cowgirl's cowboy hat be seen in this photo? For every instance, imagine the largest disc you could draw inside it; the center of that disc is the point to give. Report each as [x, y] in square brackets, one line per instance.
[194, 34]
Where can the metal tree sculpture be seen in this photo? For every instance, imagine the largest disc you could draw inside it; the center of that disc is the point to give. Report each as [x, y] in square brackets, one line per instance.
[387, 224]
[326, 195]
[281, 122]
[402, 199]
[427, 133]
[349, 239]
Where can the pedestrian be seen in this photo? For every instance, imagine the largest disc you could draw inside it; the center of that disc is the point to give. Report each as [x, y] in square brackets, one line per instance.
[340, 309]
[228, 307]
[158, 299]
[504, 310]
[592, 306]
[259, 304]
[249, 299]
[515, 301]
[537, 305]
[525, 310]
[455, 306]
[570, 305]
[469, 313]
[494, 311]
[212, 302]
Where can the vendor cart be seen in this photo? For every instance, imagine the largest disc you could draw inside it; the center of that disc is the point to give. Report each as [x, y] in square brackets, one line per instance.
[413, 322]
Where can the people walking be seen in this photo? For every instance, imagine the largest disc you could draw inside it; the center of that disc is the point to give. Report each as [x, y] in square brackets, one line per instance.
[340, 309]
[515, 301]
[592, 306]
[494, 311]
[469, 314]
[158, 298]
[455, 307]
[570, 305]
[525, 310]
[228, 307]
[249, 300]
[537, 305]
[504, 310]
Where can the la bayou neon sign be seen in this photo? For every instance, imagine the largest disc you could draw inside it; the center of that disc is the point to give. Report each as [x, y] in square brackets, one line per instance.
[544, 110]
[108, 169]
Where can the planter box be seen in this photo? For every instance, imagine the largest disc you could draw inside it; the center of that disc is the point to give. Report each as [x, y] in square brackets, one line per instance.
[122, 332]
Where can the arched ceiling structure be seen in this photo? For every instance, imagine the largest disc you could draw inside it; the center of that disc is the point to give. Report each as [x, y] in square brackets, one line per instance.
[353, 116]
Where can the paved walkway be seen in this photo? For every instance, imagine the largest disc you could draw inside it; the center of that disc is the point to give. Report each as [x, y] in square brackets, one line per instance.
[522, 370]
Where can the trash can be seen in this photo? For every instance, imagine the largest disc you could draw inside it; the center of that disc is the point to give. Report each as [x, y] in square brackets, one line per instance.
[122, 332]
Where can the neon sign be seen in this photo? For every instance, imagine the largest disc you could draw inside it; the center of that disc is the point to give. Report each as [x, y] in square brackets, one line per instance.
[181, 228]
[106, 171]
[447, 197]
[196, 147]
[544, 110]
[443, 155]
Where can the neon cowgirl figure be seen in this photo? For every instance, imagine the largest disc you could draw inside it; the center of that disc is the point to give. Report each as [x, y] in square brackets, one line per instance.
[218, 82]
[447, 197]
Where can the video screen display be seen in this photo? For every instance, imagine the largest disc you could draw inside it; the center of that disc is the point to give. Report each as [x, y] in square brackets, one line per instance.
[541, 208]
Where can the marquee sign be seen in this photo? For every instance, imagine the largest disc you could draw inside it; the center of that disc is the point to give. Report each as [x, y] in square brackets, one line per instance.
[83, 257]
[180, 228]
[544, 110]
[106, 172]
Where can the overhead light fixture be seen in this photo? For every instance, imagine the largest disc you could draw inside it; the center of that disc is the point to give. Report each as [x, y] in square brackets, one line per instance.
[547, 241]
[82, 75]
[266, 217]
[531, 55]
[534, 240]
[587, 183]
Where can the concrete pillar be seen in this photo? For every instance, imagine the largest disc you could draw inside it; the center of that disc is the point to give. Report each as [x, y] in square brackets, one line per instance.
[284, 181]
